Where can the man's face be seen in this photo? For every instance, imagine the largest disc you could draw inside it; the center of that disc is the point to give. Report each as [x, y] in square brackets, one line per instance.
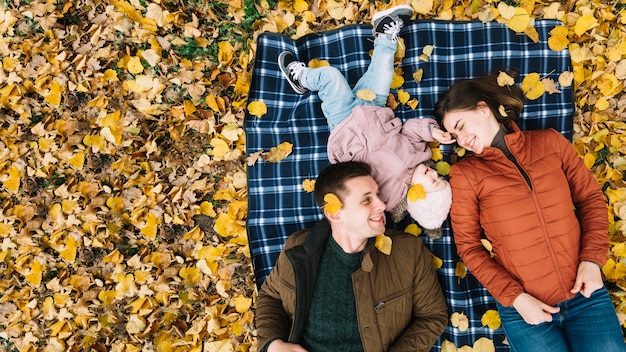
[363, 213]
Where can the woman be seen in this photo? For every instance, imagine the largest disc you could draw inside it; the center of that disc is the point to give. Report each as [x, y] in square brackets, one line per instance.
[532, 197]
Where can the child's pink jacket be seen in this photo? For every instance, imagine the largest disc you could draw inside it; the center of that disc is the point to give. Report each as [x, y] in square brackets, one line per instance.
[374, 135]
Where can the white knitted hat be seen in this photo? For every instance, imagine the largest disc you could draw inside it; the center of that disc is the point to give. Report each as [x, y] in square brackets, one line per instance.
[433, 210]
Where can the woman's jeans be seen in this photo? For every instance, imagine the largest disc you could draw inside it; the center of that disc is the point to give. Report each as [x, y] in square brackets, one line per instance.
[582, 325]
[338, 99]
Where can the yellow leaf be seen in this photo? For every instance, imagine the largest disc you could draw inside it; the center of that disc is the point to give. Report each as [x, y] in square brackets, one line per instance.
[315, 63]
[413, 229]
[443, 167]
[566, 78]
[300, 5]
[150, 228]
[34, 276]
[487, 244]
[416, 192]
[206, 208]
[225, 53]
[191, 275]
[520, 20]
[403, 96]
[333, 204]
[69, 253]
[54, 97]
[12, 183]
[532, 86]
[257, 108]
[424, 7]
[418, 74]
[366, 94]
[308, 185]
[437, 262]
[484, 344]
[279, 152]
[505, 80]
[189, 107]
[460, 271]
[584, 23]
[383, 243]
[608, 84]
[448, 346]
[589, 159]
[397, 81]
[242, 303]
[459, 320]
[558, 39]
[220, 147]
[491, 318]
[77, 160]
[134, 65]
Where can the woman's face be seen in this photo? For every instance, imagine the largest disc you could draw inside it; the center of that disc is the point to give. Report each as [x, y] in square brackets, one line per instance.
[473, 129]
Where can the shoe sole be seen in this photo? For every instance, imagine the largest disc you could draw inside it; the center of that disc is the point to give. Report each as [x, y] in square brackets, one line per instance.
[283, 69]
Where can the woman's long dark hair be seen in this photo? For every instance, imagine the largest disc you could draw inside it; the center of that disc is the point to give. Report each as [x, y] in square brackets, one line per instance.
[505, 102]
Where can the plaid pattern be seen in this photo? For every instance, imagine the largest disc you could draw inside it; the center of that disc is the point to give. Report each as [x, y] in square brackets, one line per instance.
[278, 205]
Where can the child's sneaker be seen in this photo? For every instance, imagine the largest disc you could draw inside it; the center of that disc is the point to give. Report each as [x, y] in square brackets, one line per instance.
[292, 70]
[390, 21]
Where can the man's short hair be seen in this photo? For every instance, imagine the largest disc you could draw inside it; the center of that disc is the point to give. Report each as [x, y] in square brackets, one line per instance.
[333, 178]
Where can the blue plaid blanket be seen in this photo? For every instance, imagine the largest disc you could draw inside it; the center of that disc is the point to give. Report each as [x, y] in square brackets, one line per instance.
[278, 204]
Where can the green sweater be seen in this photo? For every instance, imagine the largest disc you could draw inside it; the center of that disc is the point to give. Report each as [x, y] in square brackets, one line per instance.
[332, 324]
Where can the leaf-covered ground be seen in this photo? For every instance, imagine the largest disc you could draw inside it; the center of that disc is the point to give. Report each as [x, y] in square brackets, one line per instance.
[122, 158]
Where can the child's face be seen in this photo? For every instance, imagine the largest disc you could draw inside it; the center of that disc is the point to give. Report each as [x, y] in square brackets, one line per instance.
[428, 178]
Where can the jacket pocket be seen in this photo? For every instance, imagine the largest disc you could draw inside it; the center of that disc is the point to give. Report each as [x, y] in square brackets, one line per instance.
[396, 309]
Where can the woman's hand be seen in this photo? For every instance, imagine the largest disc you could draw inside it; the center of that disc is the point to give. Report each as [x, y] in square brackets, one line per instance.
[282, 346]
[588, 279]
[442, 137]
[533, 310]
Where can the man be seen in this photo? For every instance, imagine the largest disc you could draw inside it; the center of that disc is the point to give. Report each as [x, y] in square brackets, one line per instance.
[332, 289]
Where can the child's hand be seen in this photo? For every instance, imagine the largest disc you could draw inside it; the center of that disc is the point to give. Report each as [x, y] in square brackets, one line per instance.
[442, 137]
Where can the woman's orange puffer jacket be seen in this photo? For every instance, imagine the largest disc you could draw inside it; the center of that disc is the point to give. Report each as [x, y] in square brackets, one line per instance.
[539, 230]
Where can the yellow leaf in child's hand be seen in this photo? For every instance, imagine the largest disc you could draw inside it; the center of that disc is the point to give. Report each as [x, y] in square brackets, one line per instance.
[532, 86]
[491, 318]
[333, 204]
[134, 65]
[459, 320]
[437, 262]
[257, 108]
[279, 152]
[413, 229]
[383, 243]
[416, 192]
[505, 80]
[308, 185]
[460, 270]
[403, 96]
